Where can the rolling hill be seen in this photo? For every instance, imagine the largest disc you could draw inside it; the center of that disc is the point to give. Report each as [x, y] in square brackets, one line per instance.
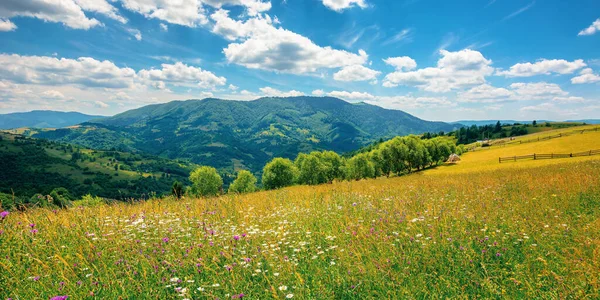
[30, 166]
[43, 119]
[232, 135]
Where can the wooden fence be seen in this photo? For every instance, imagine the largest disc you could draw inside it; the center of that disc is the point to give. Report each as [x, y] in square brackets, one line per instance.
[503, 142]
[536, 156]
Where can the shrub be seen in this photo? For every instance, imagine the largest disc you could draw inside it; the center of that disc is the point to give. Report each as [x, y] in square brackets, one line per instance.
[206, 181]
[244, 183]
[177, 189]
[61, 197]
[278, 173]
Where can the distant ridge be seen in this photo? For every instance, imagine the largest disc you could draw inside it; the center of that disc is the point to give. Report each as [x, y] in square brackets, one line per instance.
[230, 134]
[43, 119]
[492, 122]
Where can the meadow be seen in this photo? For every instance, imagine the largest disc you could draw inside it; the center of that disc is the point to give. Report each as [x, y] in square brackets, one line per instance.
[477, 229]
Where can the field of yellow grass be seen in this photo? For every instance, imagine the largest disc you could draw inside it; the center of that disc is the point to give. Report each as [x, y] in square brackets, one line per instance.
[477, 229]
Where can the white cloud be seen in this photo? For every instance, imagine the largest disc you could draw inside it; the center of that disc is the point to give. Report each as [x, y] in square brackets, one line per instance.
[318, 93]
[351, 95]
[136, 33]
[188, 13]
[543, 67]
[101, 104]
[233, 87]
[84, 71]
[121, 96]
[454, 70]
[164, 27]
[571, 99]
[271, 92]
[53, 94]
[101, 7]
[585, 76]
[180, 74]
[66, 12]
[339, 5]
[356, 73]
[405, 35]
[253, 6]
[595, 27]
[402, 63]
[516, 92]
[7, 25]
[259, 45]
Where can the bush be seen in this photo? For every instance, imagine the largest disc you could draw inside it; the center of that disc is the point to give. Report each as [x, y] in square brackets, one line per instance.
[9, 202]
[206, 181]
[278, 173]
[244, 183]
[89, 201]
[177, 189]
[61, 197]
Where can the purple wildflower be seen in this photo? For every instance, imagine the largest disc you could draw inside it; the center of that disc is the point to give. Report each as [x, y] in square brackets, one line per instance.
[236, 237]
[3, 214]
[33, 231]
[59, 298]
[165, 239]
[32, 225]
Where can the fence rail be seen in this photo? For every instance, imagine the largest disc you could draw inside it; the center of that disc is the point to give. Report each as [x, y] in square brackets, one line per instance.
[536, 156]
[503, 142]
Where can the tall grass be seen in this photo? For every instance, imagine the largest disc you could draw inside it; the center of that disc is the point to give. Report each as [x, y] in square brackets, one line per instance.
[514, 233]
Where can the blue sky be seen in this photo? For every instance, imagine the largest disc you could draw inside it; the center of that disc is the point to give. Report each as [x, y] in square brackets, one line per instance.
[438, 60]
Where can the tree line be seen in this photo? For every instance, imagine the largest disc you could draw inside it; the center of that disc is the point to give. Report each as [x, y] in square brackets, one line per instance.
[398, 156]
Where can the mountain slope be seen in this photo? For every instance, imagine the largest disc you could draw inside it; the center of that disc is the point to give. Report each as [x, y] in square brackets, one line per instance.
[31, 166]
[237, 134]
[43, 119]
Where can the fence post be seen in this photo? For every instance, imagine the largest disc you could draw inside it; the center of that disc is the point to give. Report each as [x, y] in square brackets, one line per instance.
[552, 155]
[571, 155]
[515, 158]
[534, 157]
[590, 152]
[499, 160]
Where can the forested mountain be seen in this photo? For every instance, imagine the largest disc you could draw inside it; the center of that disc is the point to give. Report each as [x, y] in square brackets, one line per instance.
[244, 134]
[43, 119]
[31, 166]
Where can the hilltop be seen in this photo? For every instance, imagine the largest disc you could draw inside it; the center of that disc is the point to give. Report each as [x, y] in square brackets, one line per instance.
[232, 135]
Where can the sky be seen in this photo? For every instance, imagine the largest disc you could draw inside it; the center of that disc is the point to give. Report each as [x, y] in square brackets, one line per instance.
[438, 60]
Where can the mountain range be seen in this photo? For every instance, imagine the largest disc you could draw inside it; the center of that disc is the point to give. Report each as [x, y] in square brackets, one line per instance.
[232, 135]
[43, 119]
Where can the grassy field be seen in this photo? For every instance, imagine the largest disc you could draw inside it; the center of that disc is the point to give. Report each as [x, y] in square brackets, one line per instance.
[477, 229]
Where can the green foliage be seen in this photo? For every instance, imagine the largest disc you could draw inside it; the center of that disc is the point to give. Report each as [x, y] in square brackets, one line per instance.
[206, 181]
[359, 167]
[89, 201]
[244, 183]
[61, 197]
[177, 189]
[278, 173]
[9, 202]
[311, 170]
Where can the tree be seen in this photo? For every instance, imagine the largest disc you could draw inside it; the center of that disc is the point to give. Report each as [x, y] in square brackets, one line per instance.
[534, 123]
[359, 167]
[278, 173]
[311, 170]
[244, 183]
[498, 127]
[333, 165]
[177, 189]
[206, 181]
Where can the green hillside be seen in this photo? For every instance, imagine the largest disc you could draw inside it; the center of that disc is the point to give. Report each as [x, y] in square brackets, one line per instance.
[233, 135]
[30, 166]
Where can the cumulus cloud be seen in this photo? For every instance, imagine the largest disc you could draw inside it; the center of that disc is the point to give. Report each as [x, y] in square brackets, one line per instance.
[519, 91]
[318, 93]
[402, 63]
[180, 74]
[7, 25]
[136, 34]
[67, 12]
[355, 73]
[339, 5]
[101, 7]
[84, 71]
[543, 67]
[454, 70]
[188, 13]
[585, 76]
[351, 95]
[253, 7]
[595, 27]
[53, 94]
[392, 102]
[271, 92]
[260, 45]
